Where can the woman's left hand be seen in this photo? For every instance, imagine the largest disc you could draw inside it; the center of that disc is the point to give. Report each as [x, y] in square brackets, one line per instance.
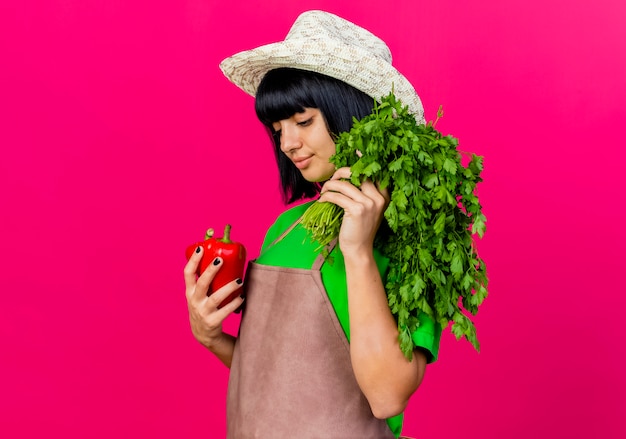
[363, 210]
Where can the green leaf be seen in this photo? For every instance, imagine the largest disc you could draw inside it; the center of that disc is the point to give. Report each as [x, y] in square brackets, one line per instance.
[478, 225]
[424, 257]
[400, 200]
[396, 164]
[440, 223]
[457, 264]
[371, 169]
[467, 282]
[418, 285]
[431, 180]
[449, 165]
[391, 215]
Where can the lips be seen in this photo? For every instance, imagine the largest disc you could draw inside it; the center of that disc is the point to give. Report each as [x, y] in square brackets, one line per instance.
[302, 162]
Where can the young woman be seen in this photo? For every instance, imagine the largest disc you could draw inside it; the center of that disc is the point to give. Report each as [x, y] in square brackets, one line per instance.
[317, 354]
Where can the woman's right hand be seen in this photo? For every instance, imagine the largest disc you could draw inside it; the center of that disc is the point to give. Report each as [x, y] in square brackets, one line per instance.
[204, 315]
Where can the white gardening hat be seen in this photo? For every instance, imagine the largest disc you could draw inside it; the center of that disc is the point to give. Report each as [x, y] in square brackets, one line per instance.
[325, 43]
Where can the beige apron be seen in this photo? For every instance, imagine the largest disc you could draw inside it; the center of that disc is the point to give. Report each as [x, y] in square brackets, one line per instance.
[291, 375]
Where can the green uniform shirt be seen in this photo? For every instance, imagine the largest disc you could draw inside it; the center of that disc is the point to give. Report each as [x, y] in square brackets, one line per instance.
[296, 250]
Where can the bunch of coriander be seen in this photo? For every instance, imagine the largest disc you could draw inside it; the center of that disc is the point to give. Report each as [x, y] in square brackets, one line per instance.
[432, 216]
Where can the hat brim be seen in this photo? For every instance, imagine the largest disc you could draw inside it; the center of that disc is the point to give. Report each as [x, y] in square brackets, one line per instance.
[359, 68]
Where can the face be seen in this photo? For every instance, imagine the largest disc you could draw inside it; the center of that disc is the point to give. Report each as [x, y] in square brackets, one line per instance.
[306, 141]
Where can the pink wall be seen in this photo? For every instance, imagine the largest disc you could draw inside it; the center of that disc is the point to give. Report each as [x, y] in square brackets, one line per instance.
[121, 143]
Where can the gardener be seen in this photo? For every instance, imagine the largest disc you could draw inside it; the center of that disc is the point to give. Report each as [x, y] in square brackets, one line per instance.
[299, 366]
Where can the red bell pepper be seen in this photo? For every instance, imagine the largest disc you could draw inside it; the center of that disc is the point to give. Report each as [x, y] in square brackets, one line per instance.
[233, 255]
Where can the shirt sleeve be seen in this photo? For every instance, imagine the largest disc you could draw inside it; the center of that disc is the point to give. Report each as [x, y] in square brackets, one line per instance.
[427, 337]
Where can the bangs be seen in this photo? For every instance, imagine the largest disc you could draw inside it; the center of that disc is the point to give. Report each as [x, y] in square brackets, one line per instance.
[282, 93]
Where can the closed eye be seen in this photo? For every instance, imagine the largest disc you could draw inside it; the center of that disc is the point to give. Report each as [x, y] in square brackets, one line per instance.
[305, 123]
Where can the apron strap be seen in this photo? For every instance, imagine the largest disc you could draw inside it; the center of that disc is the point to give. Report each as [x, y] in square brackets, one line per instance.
[319, 261]
[287, 230]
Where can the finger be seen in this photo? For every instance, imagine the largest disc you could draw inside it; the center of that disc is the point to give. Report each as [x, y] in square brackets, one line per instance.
[217, 297]
[344, 199]
[373, 191]
[384, 191]
[229, 308]
[341, 186]
[191, 268]
[214, 317]
[353, 200]
[205, 279]
[341, 173]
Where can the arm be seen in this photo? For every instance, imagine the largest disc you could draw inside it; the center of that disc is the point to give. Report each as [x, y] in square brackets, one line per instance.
[385, 376]
[204, 316]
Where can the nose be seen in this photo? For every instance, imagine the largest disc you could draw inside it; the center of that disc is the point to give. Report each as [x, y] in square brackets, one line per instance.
[289, 139]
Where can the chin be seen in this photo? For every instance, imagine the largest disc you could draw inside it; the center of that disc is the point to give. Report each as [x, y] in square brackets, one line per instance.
[317, 177]
[317, 180]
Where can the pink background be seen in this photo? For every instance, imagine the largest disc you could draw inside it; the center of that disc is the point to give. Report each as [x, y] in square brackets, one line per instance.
[122, 142]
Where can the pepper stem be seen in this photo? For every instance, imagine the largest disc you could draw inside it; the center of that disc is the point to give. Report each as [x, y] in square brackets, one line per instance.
[226, 238]
[209, 234]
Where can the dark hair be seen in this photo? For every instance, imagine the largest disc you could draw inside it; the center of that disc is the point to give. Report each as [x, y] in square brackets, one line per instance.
[286, 91]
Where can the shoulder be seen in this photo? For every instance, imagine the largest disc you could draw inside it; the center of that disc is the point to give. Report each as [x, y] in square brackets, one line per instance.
[283, 221]
[293, 213]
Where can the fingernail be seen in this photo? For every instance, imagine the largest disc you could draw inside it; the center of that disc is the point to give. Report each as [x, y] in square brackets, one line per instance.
[217, 261]
[239, 281]
[198, 249]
